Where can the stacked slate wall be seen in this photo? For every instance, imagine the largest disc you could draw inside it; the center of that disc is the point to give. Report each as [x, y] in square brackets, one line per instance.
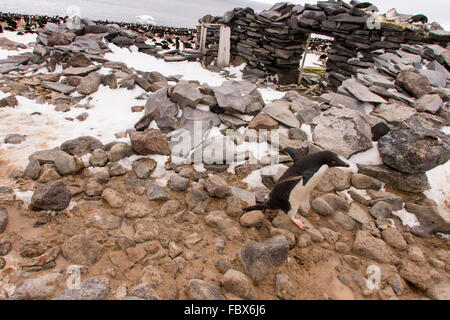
[275, 39]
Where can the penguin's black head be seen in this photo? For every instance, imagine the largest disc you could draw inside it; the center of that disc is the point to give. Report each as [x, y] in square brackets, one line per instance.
[332, 160]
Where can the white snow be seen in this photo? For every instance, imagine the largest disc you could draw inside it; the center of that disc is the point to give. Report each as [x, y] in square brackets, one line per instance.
[369, 157]
[307, 129]
[408, 219]
[111, 114]
[25, 196]
[25, 39]
[439, 180]
[144, 62]
[254, 179]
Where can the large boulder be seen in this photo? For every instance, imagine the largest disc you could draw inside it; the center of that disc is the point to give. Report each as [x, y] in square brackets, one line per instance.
[239, 96]
[405, 182]
[414, 83]
[410, 151]
[63, 162]
[257, 258]
[61, 38]
[342, 130]
[89, 84]
[151, 141]
[81, 145]
[186, 94]
[53, 195]
[158, 107]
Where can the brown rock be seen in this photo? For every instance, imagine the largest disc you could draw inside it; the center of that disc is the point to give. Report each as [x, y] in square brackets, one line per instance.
[414, 83]
[263, 121]
[150, 141]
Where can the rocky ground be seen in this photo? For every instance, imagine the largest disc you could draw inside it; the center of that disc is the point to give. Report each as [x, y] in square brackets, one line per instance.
[140, 221]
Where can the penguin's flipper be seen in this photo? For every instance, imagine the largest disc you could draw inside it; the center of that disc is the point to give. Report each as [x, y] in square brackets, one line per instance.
[260, 206]
[293, 153]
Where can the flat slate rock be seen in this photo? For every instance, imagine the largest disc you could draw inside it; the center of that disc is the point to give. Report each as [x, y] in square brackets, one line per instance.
[279, 110]
[361, 92]
[81, 71]
[58, 87]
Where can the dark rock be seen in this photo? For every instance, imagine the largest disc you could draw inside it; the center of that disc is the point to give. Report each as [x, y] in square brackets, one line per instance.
[257, 258]
[9, 101]
[81, 145]
[430, 219]
[53, 196]
[381, 209]
[361, 181]
[414, 83]
[413, 152]
[3, 219]
[144, 291]
[156, 192]
[14, 138]
[95, 288]
[200, 290]
[79, 60]
[151, 141]
[406, 182]
[32, 170]
[178, 183]
[120, 151]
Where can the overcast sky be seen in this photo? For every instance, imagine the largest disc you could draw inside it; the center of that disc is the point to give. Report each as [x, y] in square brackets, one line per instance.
[435, 10]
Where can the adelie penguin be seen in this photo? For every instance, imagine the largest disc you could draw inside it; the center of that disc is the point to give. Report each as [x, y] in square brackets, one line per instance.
[418, 18]
[298, 181]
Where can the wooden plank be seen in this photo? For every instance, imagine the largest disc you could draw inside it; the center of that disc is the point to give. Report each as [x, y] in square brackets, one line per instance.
[202, 37]
[223, 58]
[300, 76]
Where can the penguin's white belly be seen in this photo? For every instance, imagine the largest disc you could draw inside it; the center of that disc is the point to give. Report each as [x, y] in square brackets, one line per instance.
[301, 192]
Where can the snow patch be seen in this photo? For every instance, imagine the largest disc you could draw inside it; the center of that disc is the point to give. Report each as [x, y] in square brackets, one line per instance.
[408, 219]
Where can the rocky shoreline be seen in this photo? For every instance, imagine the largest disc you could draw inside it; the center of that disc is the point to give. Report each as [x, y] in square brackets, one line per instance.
[139, 218]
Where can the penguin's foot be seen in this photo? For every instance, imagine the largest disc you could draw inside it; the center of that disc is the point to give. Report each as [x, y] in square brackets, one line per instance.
[298, 223]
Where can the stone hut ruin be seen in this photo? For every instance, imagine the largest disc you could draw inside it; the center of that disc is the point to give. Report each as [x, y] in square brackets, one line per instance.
[273, 41]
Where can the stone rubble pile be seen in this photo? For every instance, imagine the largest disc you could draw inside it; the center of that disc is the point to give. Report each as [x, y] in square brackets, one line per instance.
[274, 40]
[135, 236]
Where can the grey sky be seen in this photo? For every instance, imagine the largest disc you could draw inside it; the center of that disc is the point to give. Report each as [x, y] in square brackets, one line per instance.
[435, 10]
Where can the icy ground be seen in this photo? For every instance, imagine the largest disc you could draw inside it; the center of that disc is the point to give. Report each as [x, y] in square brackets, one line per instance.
[112, 114]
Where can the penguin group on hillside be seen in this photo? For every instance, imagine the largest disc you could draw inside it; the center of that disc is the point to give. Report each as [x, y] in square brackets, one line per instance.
[296, 184]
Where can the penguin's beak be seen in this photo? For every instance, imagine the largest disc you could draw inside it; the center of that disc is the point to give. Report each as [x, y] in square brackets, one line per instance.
[340, 163]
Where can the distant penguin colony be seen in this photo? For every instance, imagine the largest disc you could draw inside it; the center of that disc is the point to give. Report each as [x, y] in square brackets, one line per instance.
[296, 184]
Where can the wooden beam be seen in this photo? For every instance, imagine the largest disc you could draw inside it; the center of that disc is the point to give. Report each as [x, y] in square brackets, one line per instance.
[223, 57]
[300, 76]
